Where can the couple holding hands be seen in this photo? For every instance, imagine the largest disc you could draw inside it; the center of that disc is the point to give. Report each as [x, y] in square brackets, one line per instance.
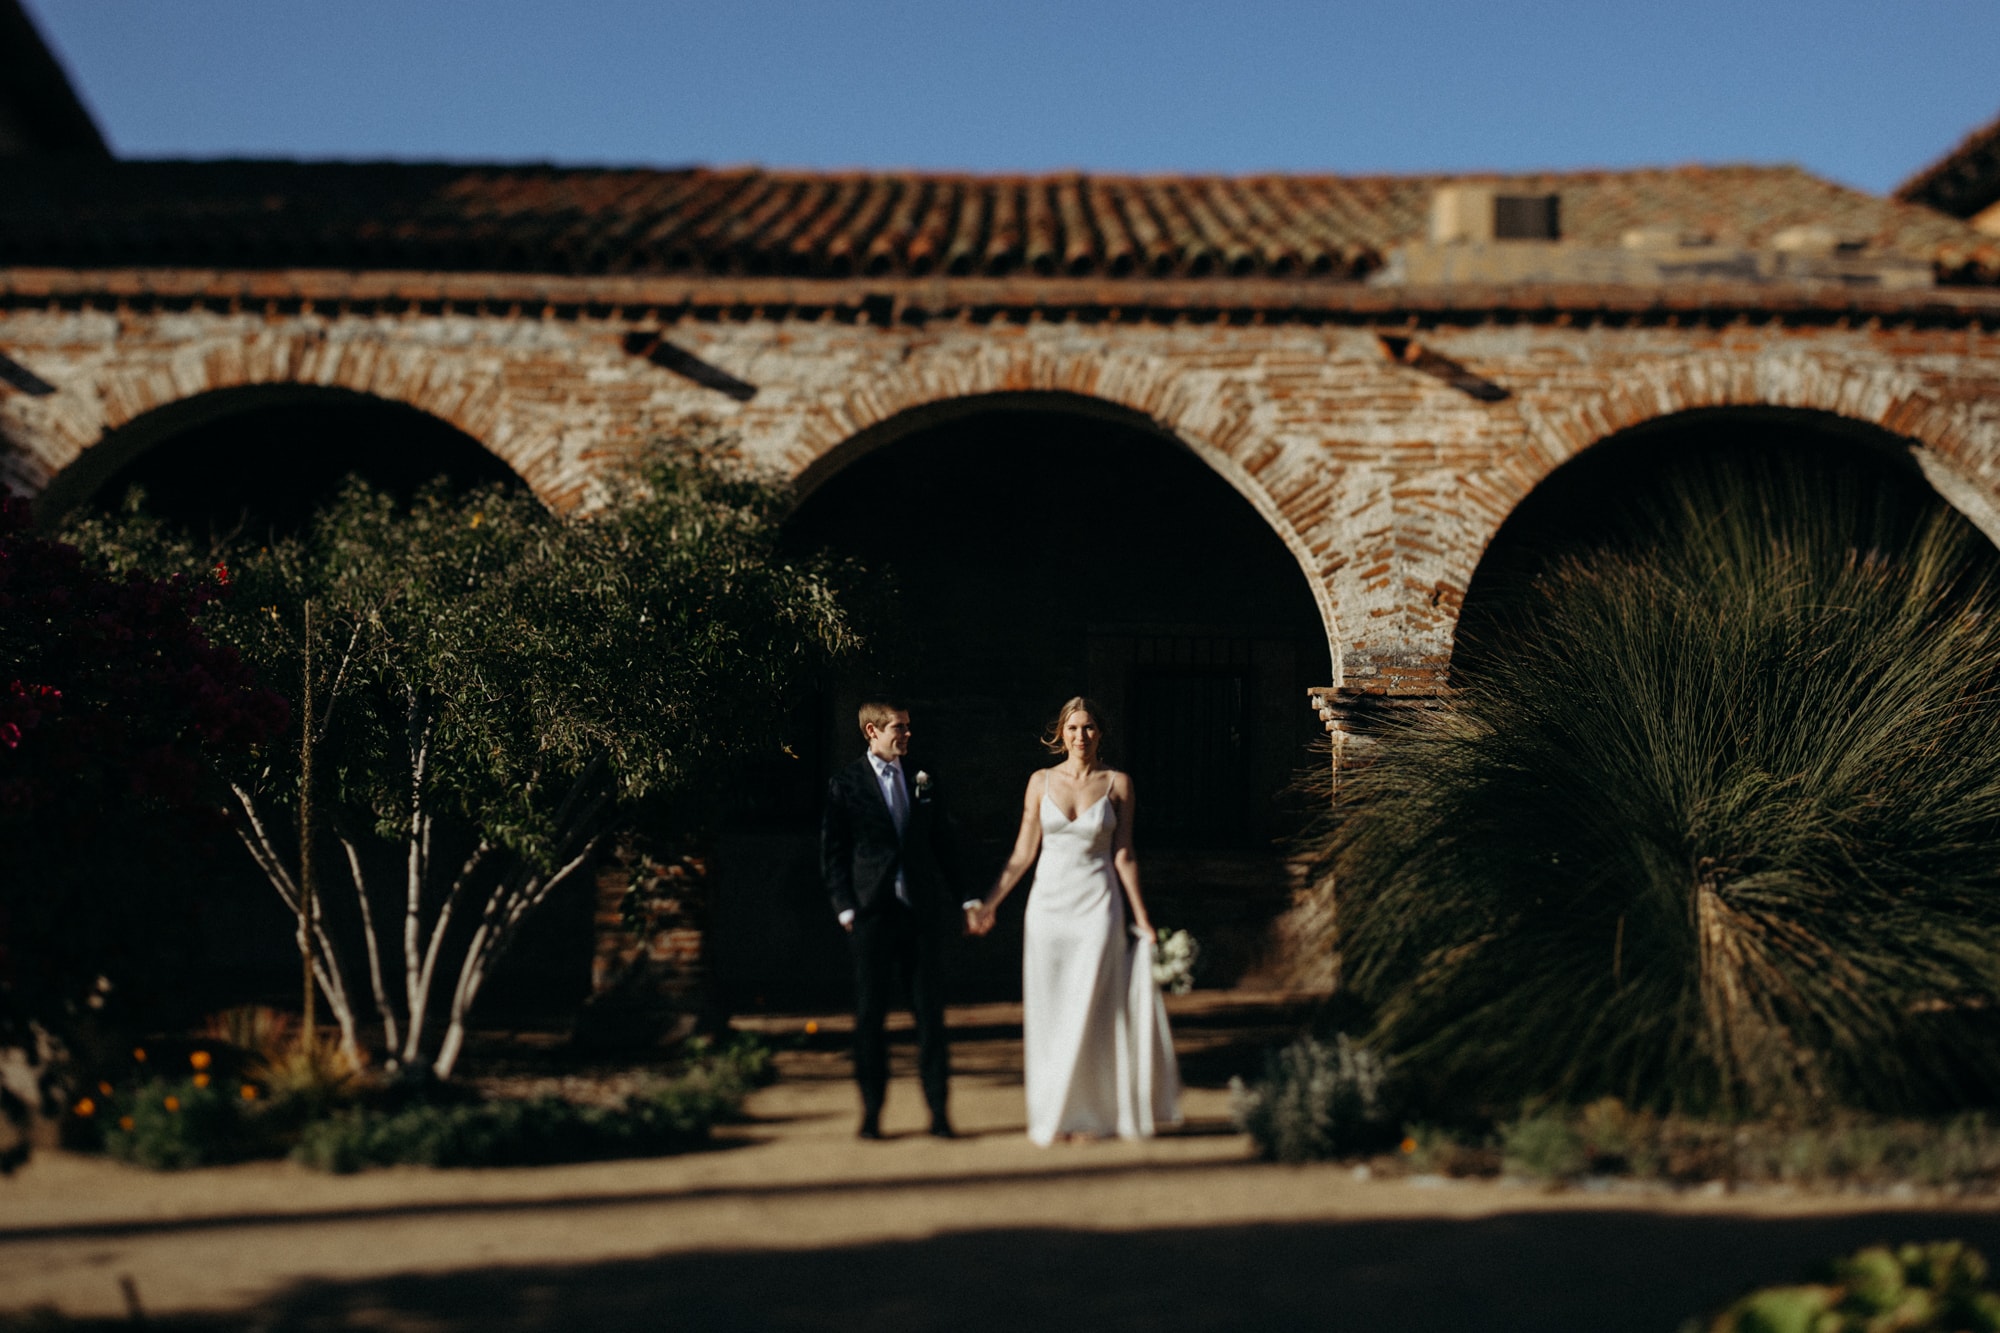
[1098, 1056]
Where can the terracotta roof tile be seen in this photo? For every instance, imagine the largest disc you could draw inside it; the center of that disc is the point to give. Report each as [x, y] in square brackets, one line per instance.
[1963, 181]
[242, 214]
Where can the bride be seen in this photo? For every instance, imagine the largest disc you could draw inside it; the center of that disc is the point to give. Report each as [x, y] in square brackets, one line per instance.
[1099, 1057]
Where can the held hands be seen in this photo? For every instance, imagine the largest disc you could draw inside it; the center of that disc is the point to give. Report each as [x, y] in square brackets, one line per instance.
[979, 918]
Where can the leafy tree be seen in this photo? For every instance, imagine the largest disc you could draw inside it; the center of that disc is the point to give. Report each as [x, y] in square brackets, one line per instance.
[498, 682]
[115, 710]
[1714, 826]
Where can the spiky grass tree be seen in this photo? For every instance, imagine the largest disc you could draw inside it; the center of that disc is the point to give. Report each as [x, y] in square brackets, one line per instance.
[1715, 823]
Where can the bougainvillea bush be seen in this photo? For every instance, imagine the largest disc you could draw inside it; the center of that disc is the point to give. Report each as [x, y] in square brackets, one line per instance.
[116, 713]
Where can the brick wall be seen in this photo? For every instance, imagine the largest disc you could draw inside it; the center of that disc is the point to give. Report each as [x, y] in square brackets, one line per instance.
[1383, 480]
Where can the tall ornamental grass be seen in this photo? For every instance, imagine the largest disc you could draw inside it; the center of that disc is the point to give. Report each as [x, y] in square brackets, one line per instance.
[1712, 826]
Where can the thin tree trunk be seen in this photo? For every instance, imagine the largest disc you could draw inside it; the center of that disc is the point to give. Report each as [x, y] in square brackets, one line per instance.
[308, 871]
[503, 917]
[427, 972]
[416, 871]
[326, 961]
[390, 1041]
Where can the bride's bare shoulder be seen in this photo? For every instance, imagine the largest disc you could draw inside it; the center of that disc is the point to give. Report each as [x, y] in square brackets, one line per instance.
[1121, 783]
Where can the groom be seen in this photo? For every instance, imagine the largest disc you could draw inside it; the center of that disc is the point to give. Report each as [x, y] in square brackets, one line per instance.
[886, 856]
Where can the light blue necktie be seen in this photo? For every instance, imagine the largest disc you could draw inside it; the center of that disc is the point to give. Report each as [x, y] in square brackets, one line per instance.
[899, 805]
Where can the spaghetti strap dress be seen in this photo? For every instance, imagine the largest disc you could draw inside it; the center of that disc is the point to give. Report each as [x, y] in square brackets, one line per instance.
[1099, 1057]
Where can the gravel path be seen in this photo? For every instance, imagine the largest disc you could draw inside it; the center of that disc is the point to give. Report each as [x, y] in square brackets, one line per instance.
[791, 1223]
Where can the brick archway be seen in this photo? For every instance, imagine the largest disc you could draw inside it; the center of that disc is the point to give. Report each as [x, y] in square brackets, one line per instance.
[1213, 421]
[1957, 453]
[100, 422]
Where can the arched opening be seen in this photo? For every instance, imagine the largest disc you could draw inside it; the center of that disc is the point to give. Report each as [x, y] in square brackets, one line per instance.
[266, 455]
[1038, 553]
[1589, 502]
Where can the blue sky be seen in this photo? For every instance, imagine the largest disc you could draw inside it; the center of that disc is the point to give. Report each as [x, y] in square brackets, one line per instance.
[1861, 92]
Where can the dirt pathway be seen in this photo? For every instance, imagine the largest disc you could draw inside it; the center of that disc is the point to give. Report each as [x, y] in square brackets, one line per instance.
[791, 1223]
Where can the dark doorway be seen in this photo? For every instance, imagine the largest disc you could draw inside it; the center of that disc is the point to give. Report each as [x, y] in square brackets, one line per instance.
[264, 457]
[1038, 555]
[1599, 500]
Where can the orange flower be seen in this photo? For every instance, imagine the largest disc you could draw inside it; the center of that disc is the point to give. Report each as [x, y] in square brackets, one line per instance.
[1408, 1145]
[139, 1054]
[86, 1107]
[173, 1103]
[812, 1026]
[249, 1092]
[125, 1123]
[200, 1059]
[201, 1080]
[104, 1088]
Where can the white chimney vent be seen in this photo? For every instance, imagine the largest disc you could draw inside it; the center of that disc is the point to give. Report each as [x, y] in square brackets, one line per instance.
[1475, 214]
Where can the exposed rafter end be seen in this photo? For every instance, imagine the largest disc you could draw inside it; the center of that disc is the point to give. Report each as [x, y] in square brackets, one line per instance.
[687, 365]
[27, 381]
[1407, 351]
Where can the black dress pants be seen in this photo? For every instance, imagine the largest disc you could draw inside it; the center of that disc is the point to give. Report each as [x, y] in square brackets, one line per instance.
[896, 956]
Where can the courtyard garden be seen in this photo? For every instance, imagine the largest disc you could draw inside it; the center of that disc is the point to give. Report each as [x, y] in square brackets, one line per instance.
[418, 717]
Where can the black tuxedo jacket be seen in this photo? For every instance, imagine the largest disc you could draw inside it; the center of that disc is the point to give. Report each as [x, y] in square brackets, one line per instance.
[860, 854]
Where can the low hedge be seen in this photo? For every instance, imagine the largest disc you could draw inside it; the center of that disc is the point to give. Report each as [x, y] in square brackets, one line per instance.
[209, 1118]
[538, 1132]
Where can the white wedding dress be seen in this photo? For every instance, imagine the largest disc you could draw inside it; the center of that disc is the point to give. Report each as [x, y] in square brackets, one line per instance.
[1099, 1057]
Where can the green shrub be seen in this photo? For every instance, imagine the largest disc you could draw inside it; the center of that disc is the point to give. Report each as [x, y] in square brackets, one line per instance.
[1544, 1145]
[672, 1118]
[170, 1126]
[1558, 1144]
[1934, 1288]
[1714, 826]
[1317, 1099]
[745, 1056]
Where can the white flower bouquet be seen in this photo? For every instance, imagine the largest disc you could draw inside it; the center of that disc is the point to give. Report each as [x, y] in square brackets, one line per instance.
[1174, 954]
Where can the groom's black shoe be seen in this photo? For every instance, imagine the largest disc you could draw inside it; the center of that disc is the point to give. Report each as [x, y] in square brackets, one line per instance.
[871, 1125]
[941, 1128]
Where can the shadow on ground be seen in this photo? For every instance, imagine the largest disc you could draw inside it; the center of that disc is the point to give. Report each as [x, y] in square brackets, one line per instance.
[1584, 1271]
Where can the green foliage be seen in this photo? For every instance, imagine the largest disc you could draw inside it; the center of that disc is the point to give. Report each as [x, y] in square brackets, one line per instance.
[1714, 825]
[1317, 1099]
[743, 1057]
[502, 686]
[1542, 1145]
[671, 1118]
[171, 1126]
[651, 638]
[1556, 1144]
[318, 1110]
[1935, 1288]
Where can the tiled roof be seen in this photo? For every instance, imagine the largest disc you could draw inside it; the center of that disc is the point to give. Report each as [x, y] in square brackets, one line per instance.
[1963, 181]
[261, 215]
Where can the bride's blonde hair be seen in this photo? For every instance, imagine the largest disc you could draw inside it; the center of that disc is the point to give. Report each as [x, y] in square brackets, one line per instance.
[1052, 739]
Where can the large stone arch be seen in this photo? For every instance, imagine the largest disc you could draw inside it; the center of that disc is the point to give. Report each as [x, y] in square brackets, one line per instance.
[1207, 415]
[1959, 457]
[100, 420]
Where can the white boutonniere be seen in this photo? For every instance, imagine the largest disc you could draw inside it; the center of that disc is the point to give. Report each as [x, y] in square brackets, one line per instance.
[922, 784]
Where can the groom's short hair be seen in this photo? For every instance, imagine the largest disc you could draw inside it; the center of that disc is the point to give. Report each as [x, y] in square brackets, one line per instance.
[880, 713]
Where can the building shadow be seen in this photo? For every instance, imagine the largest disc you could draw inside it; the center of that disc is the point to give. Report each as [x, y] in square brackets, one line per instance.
[1542, 1271]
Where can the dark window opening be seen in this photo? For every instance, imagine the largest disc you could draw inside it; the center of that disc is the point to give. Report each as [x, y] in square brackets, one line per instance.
[1527, 217]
